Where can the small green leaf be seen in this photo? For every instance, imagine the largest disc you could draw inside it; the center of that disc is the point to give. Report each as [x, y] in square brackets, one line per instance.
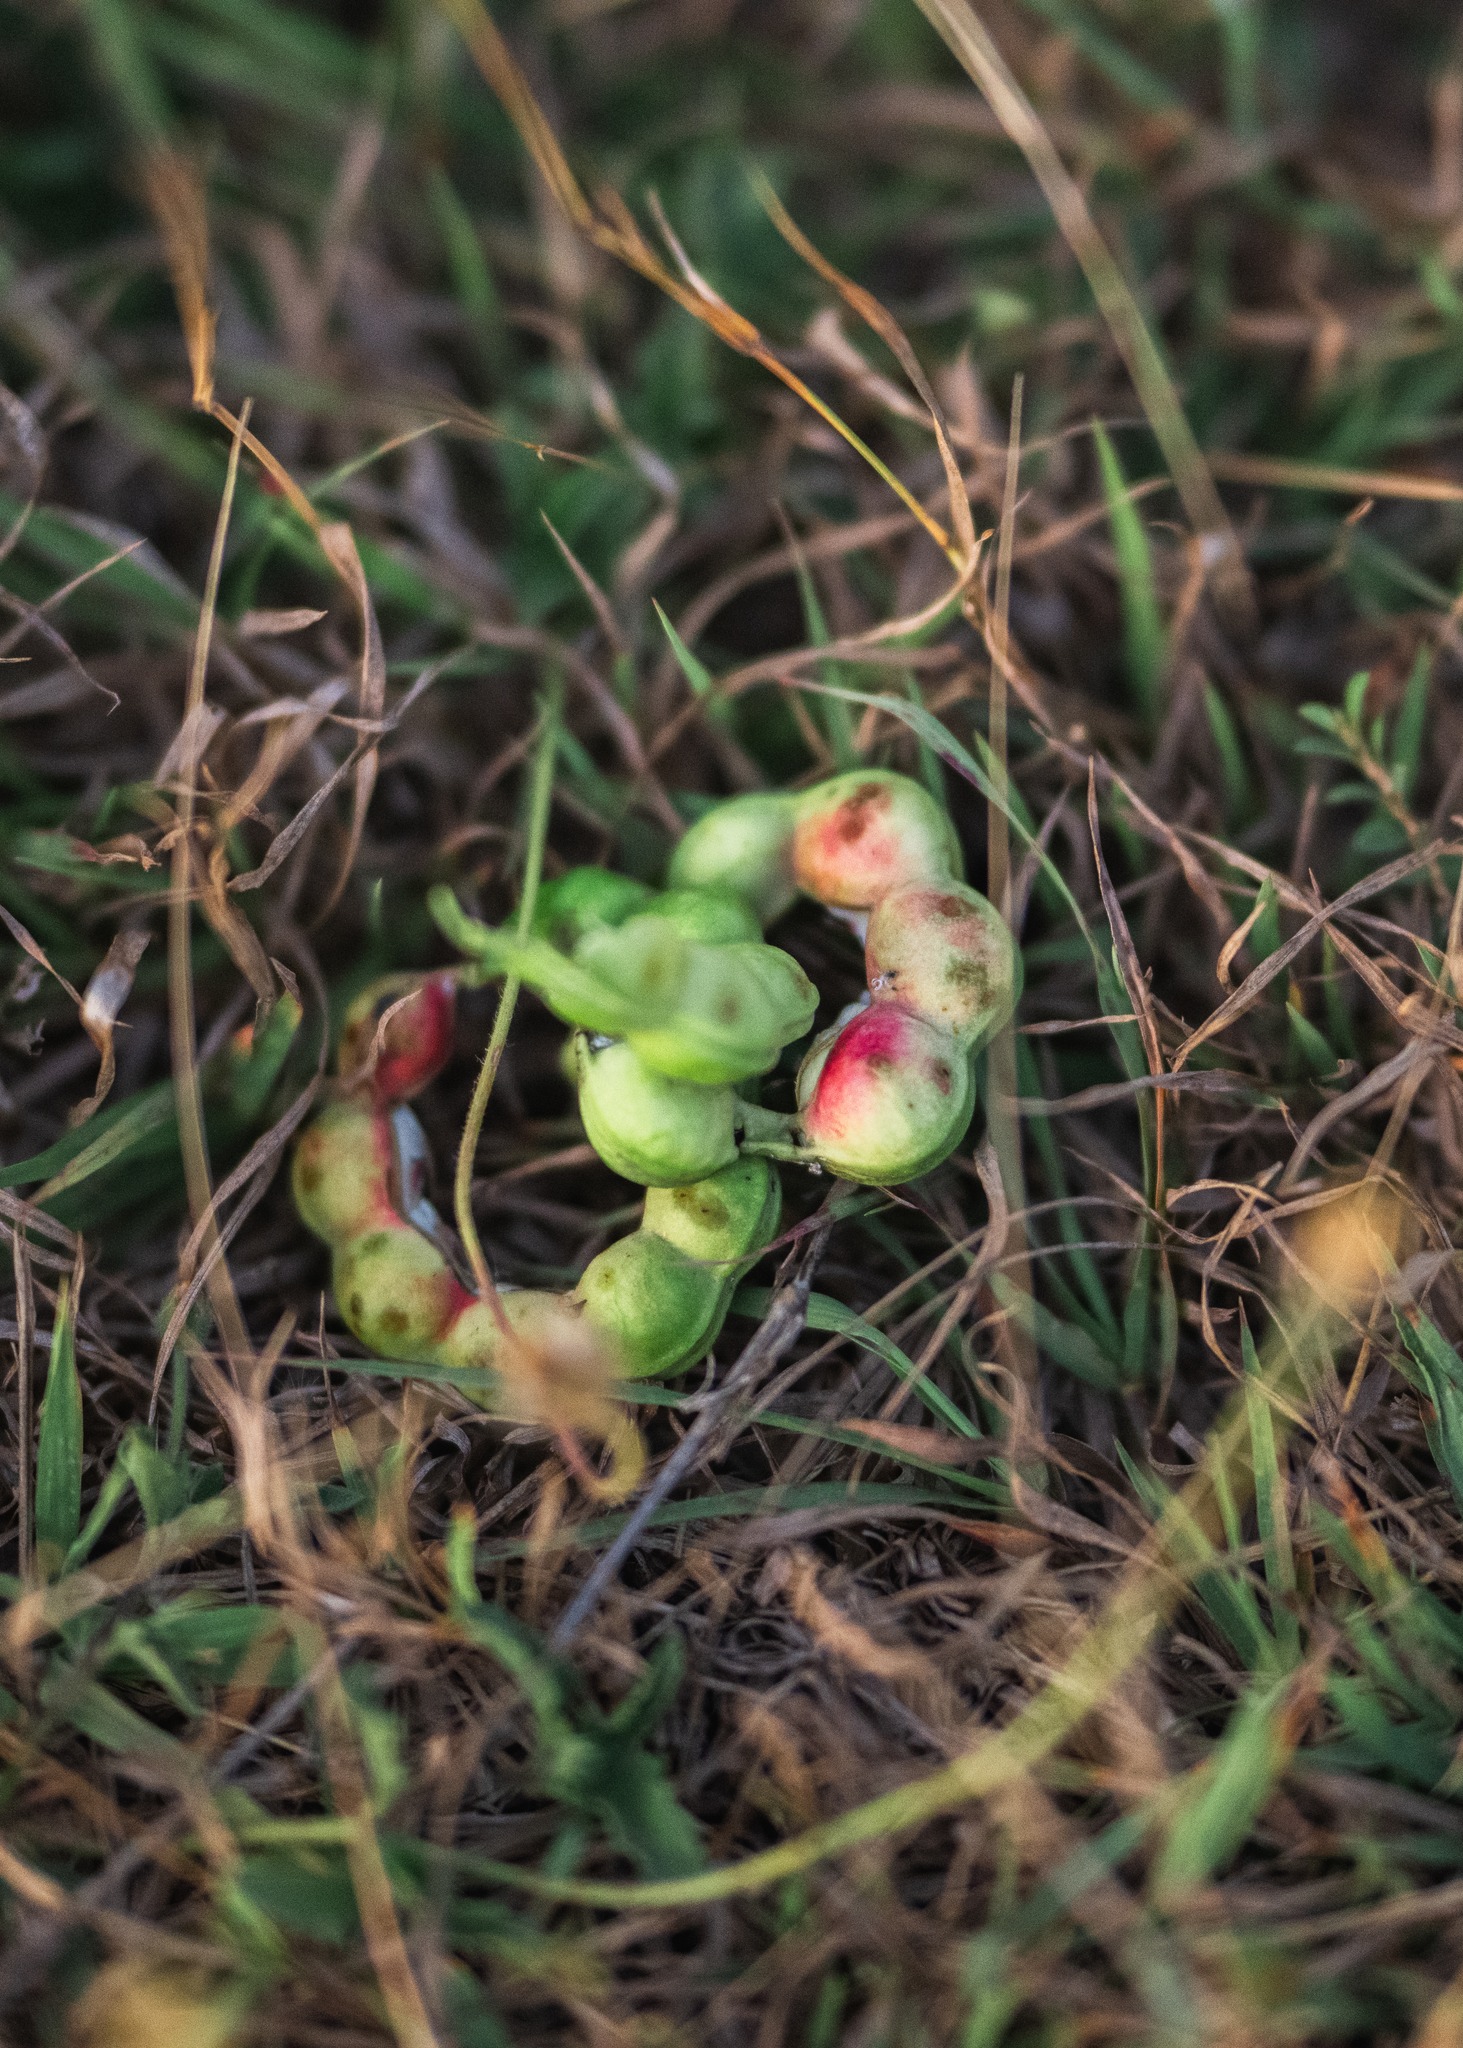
[1265, 931]
[1354, 697]
[1378, 835]
[1315, 1051]
[697, 674]
[1144, 636]
[162, 1485]
[58, 1447]
[1228, 1792]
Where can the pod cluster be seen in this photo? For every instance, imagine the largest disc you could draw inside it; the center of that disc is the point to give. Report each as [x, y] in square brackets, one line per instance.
[657, 1297]
[677, 1003]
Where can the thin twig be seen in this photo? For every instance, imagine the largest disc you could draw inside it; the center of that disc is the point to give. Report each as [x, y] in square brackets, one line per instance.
[192, 1141]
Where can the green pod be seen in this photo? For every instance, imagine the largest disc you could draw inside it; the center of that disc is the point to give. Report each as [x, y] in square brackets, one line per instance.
[886, 1097]
[341, 1170]
[658, 1308]
[661, 1295]
[474, 1341]
[738, 1007]
[707, 1013]
[586, 899]
[713, 917]
[744, 845]
[653, 1129]
[620, 978]
[396, 1292]
[722, 1219]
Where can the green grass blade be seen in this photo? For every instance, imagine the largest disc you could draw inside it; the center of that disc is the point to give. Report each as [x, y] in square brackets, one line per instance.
[837, 716]
[1271, 1505]
[58, 1444]
[832, 1317]
[1229, 1792]
[1144, 638]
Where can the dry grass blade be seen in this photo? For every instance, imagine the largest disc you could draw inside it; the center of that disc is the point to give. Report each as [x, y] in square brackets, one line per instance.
[612, 227]
[192, 1139]
[875, 316]
[962, 28]
[175, 195]
[1272, 470]
[36, 952]
[339, 546]
[1259, 979]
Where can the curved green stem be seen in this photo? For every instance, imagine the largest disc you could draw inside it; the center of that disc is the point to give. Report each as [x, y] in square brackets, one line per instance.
[540, 791]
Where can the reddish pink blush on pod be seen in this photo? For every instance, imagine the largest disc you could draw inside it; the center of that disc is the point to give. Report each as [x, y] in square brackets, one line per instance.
[415, 1045]
[861, 835]
[888, 1098]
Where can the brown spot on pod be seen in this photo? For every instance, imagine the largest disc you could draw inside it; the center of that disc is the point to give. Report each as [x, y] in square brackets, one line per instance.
[859, 836]
[948, 952]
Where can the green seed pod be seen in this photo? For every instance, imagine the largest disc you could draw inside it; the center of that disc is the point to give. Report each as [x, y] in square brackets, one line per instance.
[475, 1339]
[641, 968]
[744, 845]
[945, 951]
[340, 1173]
[713, 917]
[397, 1292]
[737, 1008]
[662, 1294]
[658, 1308]
[619, 978]
[858, 836]
[888, 1099]
[585, 899]
[722, 1219]
[652, 1129]
[706, 1013]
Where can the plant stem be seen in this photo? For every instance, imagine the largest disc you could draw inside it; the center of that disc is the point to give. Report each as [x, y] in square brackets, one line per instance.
[540, 791]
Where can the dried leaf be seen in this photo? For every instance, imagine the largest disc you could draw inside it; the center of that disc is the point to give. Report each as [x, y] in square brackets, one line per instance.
[270, 625]
[30, 442]
[101, 1006]
[175, 196]
[244, 946]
